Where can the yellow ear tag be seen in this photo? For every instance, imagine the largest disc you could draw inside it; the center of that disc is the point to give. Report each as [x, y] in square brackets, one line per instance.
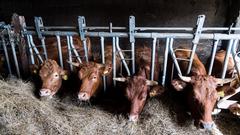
[35, 71]
[65, 77]
[221, 93]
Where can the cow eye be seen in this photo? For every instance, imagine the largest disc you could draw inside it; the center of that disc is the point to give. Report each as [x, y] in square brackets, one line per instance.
[94, 77]
[56, 75]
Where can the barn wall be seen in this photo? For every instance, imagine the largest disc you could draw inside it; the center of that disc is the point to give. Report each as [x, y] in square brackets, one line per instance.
[147, 12]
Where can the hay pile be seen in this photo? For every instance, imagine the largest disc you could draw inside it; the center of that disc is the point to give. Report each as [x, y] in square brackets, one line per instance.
[22, 113]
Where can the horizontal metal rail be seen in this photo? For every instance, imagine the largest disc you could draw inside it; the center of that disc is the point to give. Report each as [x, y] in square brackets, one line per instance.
[136, 28]
[141, 35]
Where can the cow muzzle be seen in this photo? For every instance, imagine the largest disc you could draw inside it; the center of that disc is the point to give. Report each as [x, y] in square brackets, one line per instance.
[133, 118]
[207, 125]
[45, 92]
[83, 96]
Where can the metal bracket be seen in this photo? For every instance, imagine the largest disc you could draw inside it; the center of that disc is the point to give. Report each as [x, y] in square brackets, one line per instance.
[199, 27]
[131, 29]
[230, 28]
[82, 25]
[38, 24]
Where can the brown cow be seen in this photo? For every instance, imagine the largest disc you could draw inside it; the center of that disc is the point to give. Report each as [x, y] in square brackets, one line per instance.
[137, 86]
[50, 71]
[51, 75]
[200, 90]
[217, 72]
[91, 74]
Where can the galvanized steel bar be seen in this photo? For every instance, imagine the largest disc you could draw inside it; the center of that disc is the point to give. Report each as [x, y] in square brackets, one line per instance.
[234, 55]
[122, 56]
[44, 48]
[30, 50]
[11, 40]
[153, 58]
[35, 49]
[200, 22]
[82, 25]
[213, 56]
[69, 53]
[85, 50]
[142, 35]
[165, 61]
[136, 28]
[133, 57]
[6, 54]
[39, 24]
[174, 56]
[131, 29]
[59, 50]
[114, 59]
[226, 59]
[103, 61]
[74, 49]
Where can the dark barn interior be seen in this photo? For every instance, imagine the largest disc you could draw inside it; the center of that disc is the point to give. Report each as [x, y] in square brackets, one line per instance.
[23, 111]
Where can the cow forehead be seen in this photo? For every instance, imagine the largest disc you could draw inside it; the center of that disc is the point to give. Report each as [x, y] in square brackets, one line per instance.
[49, 67]
[204, 85]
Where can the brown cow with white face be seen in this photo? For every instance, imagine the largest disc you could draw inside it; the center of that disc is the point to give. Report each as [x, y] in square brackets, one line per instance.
[51, 75]
[200, 90]
[50, 72]
[138, 85]
[91, 74]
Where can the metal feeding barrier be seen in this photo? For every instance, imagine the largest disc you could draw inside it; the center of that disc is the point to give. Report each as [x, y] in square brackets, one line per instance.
[132, 32]
[8, 48]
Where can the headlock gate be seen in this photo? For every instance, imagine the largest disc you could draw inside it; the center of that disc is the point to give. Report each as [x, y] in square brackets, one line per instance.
[19, 48]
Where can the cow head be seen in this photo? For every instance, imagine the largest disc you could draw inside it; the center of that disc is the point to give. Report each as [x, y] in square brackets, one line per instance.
[136, 92]
[201, 97]
[91, 75]
[51, 75]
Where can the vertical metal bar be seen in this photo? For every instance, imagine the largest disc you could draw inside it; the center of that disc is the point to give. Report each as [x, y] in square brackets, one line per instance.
[133, 57]
[35, 49]
[59, 50]
[234, 55]
[13, 51]
[103, 61]
[153, 57]
[199, 25]
[6, 55]
[191, 58]
[30, 50]
[85, 49]
[69, 53]
[165, 62]
[174, 56]
[72, 47]
[114, 59]
[226, 59]
[44, 48]
[132, 40]
[121, 56]
[213, 56]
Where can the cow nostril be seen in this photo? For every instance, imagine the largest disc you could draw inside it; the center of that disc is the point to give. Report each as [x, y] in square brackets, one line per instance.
[201, 125]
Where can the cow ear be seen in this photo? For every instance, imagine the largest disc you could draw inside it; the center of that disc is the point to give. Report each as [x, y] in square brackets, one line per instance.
[34, 69]
[64, 74]
[178, 85]
[106, 70]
